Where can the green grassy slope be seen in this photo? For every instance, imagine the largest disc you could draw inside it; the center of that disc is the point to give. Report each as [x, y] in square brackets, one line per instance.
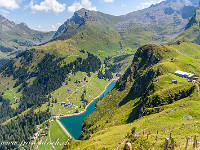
[176, 119]
[144, 98]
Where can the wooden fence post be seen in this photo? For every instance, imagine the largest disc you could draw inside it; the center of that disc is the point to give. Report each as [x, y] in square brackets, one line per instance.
[173, 145]
[187, 138]
[170, 136]
[194, 142]
[191, 140]
[166, 143]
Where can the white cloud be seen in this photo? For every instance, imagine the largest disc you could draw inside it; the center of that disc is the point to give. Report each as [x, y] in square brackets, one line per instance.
[59, 24]
[10, 4]
[148, 4]
[55, 27]
[46, 28]
[4, 12]
[124, 5]
[48, 6]
[83, 4]
[39, 27]
[108, 1]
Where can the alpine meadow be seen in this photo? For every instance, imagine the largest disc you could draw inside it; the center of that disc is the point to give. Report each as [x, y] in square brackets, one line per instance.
[100, 81]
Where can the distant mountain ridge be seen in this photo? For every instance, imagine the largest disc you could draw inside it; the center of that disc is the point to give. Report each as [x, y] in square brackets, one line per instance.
[157, 24]
[18, 37]
[9, 29]
[83, 17]
[192, 30]
[164, 13]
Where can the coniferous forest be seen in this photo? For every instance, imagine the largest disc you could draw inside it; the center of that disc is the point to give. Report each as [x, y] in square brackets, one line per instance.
[18, 131]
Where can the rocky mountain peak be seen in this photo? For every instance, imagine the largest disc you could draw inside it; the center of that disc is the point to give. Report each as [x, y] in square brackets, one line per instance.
[2, 18]
[23, 25]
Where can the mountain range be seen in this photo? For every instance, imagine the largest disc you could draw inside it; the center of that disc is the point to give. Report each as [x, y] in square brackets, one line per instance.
[143, 49]
[158, 24]
[191, 33]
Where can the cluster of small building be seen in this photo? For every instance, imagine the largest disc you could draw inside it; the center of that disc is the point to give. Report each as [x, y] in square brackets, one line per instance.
[67, 104]
[190, 77]
[55, 117]
[35, 136]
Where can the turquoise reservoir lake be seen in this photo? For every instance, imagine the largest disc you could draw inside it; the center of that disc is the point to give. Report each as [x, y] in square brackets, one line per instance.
[73, 124]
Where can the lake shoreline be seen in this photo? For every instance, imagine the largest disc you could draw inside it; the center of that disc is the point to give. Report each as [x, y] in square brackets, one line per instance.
[63, 128]
[76, 114]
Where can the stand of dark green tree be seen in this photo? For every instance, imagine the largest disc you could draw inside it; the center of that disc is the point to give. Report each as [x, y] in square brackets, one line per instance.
[5, 49]
[18, 131]
[107, 75]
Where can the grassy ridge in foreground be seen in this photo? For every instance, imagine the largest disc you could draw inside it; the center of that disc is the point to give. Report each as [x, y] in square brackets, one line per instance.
[118, 113]
[175, 119]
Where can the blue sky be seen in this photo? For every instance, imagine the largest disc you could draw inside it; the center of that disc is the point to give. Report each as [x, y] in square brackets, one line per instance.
[47, 15]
